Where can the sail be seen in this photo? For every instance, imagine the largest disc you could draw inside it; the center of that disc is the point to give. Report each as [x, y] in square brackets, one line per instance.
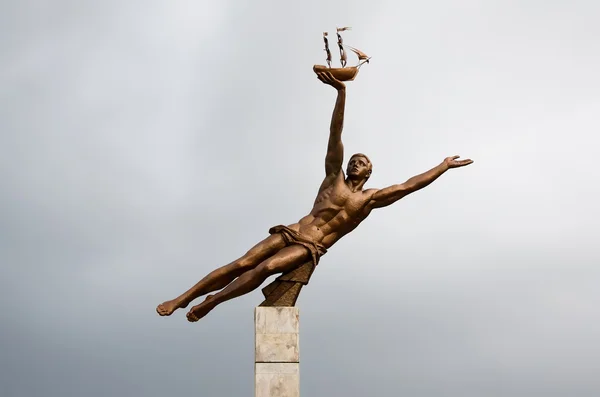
[361, 55]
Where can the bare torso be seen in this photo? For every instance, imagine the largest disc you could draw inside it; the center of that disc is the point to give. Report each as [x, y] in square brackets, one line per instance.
[336, 212]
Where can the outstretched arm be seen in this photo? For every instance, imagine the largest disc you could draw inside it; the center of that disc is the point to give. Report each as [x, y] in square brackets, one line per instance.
[390, 195]
[335, 148]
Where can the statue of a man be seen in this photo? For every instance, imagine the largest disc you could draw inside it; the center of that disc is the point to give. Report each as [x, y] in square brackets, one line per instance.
[341, 205]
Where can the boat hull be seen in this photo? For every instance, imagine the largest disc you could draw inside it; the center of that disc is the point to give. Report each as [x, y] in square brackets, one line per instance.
[341, 74]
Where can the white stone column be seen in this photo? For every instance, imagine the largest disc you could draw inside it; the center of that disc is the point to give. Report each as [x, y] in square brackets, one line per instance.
[277, 359]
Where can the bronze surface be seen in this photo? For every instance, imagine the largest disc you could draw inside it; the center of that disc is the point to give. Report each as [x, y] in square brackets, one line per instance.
[294, 250]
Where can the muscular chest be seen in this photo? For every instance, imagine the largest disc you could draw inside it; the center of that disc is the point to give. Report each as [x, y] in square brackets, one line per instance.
[339, 196]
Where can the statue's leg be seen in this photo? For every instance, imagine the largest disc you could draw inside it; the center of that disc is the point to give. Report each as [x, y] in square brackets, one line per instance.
[285, 260]
[222, 276]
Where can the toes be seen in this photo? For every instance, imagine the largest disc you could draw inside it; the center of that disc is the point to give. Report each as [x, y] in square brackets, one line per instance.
[191, 317]
[164, 310]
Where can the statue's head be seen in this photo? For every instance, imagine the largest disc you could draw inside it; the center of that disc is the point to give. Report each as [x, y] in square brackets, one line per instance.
[359, 167]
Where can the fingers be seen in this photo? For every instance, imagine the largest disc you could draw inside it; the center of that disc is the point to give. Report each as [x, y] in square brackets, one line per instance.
[462, 163]
[453, 162]
[326, 77]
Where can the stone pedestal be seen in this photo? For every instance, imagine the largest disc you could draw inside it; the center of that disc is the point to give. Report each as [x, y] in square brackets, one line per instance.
[277, 358]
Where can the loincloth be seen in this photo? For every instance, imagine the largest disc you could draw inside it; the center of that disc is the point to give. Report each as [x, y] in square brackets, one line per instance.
[285, 289]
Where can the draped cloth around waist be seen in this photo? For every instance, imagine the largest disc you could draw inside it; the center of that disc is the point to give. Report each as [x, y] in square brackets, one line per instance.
[284, 290]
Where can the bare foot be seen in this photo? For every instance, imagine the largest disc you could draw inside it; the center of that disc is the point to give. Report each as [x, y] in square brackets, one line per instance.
[201, 310]
[167, 308]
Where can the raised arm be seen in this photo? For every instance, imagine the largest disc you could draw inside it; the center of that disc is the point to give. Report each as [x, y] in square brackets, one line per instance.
[390, 195]
[335, 149]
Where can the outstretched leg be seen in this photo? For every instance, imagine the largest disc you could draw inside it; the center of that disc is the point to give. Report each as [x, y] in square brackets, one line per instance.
[222, 276]
[283, 261]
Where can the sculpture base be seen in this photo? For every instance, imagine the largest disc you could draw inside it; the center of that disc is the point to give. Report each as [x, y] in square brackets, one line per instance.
[284, 290]
[277, 358]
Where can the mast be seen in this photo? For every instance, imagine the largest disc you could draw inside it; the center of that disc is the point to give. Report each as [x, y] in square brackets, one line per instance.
[327, 49]
[362, 57]
[343, 57]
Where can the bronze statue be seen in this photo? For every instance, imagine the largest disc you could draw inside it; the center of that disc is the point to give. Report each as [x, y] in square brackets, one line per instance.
[294, 250]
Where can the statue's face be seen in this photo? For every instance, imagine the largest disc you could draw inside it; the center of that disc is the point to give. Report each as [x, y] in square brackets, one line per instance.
[358, 168]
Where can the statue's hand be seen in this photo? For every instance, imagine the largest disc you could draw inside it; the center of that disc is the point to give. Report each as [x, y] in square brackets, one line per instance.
[452, 162]
[327, 78]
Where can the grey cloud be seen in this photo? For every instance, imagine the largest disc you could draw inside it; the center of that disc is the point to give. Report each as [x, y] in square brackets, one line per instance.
[146, 144]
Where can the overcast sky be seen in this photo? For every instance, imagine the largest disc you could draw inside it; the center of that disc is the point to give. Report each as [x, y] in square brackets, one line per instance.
[145, 143]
